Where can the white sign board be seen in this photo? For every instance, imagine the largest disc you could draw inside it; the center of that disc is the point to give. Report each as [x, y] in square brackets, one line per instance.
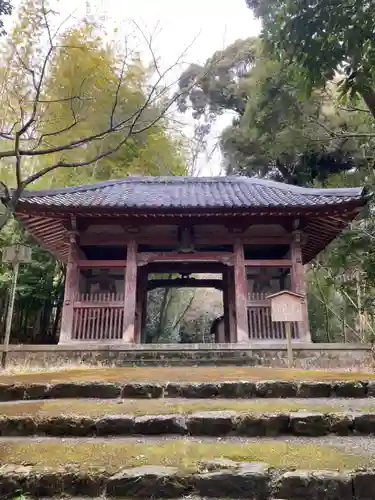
[286, 307]
[17, 253]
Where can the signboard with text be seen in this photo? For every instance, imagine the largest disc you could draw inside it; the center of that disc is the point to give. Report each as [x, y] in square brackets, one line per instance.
[286, 306]
[17, 254]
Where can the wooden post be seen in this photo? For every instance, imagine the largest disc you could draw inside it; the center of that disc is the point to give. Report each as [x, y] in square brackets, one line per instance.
[130, 293]
[70, 293]
[288, 331]
[141, 304]
[299, 285]
[241, 289]
[8, 328]
[231, 306]
[226, 310]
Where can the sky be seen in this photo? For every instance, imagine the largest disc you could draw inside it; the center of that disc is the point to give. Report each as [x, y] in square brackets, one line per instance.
[193, 29]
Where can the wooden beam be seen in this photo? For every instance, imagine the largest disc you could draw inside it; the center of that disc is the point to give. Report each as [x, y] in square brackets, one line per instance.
[71, 290]
[130, 293]
[148, 257]
[185, 267]
[241, 292]
[105, 264]
[163, 240]
[268, 263]
[299, 285]
[185, 283]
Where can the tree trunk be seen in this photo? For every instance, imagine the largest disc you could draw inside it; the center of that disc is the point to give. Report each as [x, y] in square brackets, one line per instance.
[368, 96]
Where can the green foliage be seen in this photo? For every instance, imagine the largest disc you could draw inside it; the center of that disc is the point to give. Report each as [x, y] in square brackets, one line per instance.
[276, 132]
[5, 10]
[76, 108]
[282, 132]
[322, 38]
[86, 85]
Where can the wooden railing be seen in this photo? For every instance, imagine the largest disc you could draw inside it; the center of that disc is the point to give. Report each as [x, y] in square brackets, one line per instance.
[98, 317]
[261, 326]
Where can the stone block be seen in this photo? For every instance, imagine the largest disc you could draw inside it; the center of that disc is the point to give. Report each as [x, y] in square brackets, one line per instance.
[341, 423]
[66, 426]
[322, 485]
[350, 389]
[275, 424]
[36, 391]
[45, 483]
[312, 389]
[147, 481]
[211, 423]
[160, 424]
[17, 426]
[276, 389]
[364, 485]
[272, 424]
[115, 425]
[309, 424]
[237, 389]
[364, 423]
[13, 480]
[218, 464]
[193, 390]
[86, 483]
[12, 392]
[142, 391]
[251, 481]
[249, 425]
[371, 388]
[83, 390]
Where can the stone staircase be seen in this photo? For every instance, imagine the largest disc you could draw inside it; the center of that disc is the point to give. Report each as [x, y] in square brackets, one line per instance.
[33, 419]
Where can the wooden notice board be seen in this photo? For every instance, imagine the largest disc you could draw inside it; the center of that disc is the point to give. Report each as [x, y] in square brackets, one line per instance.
[286, 306]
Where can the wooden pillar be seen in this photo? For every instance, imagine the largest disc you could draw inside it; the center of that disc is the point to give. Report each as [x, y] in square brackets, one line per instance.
[231, 306]
[227, 329]
[144, 313]
[141, 304]
[130, 293]
[241, 289]
[70, 293]
[299, 285]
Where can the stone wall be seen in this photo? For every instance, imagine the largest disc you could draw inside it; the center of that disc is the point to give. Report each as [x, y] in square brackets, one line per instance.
[334, 356]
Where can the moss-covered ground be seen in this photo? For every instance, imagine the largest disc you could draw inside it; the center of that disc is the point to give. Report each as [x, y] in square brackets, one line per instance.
[181, 374]
[182, 453]
[98, 408]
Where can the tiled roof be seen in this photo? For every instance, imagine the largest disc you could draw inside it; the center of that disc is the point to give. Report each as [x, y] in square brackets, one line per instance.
[190, 192]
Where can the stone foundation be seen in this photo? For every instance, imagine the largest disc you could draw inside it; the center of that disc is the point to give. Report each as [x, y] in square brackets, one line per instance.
[219, 478]
[328, 356]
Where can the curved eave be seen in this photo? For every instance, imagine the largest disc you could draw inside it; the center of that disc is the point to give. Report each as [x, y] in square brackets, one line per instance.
[49, 225]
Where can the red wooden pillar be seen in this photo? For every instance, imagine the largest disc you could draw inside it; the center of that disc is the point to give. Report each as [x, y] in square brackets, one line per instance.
[240, 284]
[130, 293]
[299, 285]
[231, 306]
[226, 305]
[141, 304]
[70, 293]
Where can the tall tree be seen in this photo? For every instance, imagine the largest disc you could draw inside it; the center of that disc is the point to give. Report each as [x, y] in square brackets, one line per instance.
[324, 38]
[275, 132]
[70, 101]
[5, 10]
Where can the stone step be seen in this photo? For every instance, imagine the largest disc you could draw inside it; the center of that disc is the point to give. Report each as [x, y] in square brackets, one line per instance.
[201, 390]
[204, 423]
[253, 481]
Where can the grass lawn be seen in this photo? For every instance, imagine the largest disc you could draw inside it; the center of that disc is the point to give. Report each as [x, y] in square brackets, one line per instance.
[183, 374]
[182, 453]
[98, 408]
